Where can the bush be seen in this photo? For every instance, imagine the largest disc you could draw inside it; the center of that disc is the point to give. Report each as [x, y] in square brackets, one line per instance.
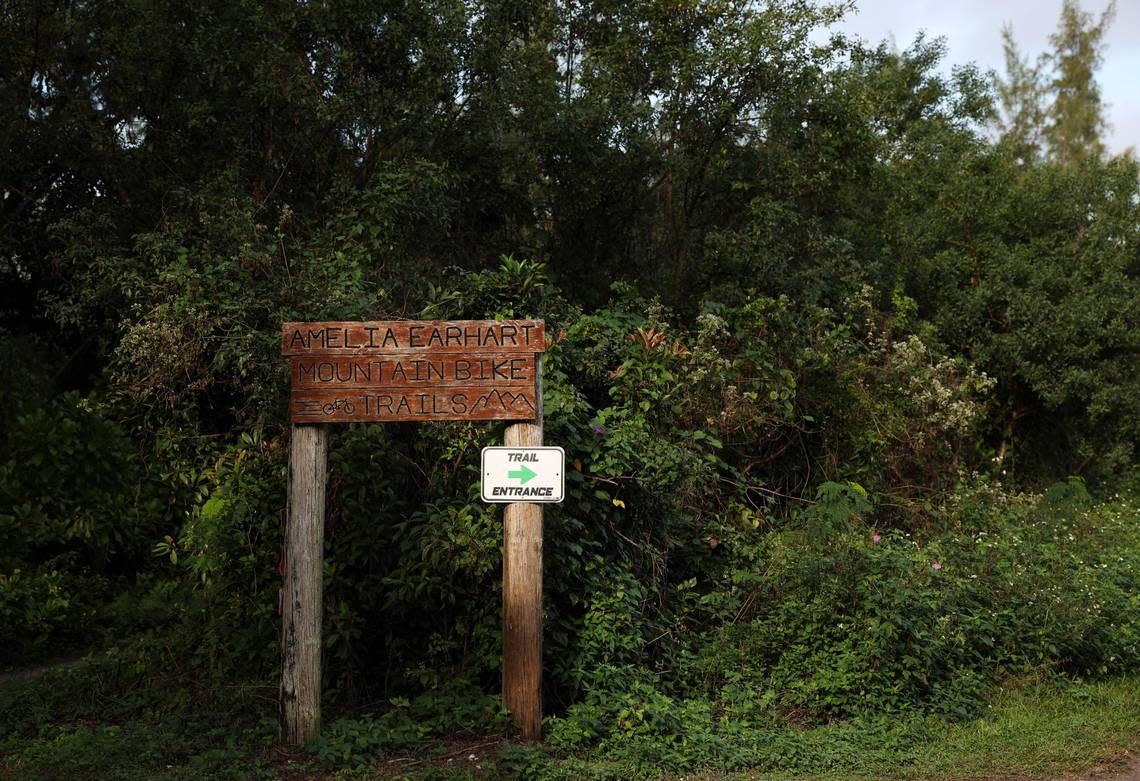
[77, 511]
[454, 709]
[835, 618]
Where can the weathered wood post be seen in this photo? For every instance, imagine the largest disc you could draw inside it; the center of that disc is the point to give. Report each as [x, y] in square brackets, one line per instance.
[522, 589]
[302, 590]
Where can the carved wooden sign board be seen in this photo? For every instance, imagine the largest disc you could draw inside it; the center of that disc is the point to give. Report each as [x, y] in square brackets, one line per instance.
[413, 370]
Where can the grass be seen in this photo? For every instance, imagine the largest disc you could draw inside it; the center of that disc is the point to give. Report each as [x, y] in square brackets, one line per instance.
[98, 720]
[1040, 732]
[76, 724]
[1037, 731]
[1032, 731]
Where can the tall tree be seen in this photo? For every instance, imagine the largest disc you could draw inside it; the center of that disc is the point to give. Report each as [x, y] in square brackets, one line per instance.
[1022, 97]
[1076, 118]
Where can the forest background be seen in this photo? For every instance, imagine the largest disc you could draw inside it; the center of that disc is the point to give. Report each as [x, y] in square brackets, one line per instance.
[844, 357]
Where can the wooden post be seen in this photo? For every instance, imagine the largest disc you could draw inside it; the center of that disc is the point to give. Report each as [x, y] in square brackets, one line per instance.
[522, 590]
[302, 591]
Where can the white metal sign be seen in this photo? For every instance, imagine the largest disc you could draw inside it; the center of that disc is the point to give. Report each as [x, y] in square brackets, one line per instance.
[523, 474]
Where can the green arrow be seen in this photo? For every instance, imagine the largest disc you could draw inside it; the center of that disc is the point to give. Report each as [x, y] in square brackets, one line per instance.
[523, 473]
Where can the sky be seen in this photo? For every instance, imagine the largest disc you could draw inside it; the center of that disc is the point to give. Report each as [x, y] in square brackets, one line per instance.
[972, 29]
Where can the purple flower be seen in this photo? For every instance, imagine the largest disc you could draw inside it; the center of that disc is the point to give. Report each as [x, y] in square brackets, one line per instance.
[876, 538]
[598, 430]
[936, 566]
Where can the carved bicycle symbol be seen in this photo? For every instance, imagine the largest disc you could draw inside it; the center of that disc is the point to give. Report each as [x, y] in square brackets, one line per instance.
[340, 404]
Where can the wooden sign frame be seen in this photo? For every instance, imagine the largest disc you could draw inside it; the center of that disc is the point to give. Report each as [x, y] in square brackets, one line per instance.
[407, 371]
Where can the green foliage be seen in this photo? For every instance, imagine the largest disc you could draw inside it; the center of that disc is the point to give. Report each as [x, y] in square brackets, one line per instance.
[1041, 316]
[76, 511]
[36, 605]
[607, 639]
[1076, 120]
[1054, 106]
[1042, 727]
[101, 718]
[90, 720]
[228, 547]
[70, 476]
[410, 724]
[831, 618]
[1022, 99]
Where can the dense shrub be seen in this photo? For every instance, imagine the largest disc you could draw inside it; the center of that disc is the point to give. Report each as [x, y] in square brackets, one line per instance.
[836, 618]
[78, 511]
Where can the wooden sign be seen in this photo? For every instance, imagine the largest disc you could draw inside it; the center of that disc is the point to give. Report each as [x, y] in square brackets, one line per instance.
[413, 370]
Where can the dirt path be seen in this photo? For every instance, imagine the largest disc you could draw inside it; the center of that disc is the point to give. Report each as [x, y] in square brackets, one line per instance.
[1129, 773]
[36, 670]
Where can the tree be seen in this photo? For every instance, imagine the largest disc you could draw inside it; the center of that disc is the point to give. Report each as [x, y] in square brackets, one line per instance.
[1076, 118]
[1022, 99]
[1054, 106]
